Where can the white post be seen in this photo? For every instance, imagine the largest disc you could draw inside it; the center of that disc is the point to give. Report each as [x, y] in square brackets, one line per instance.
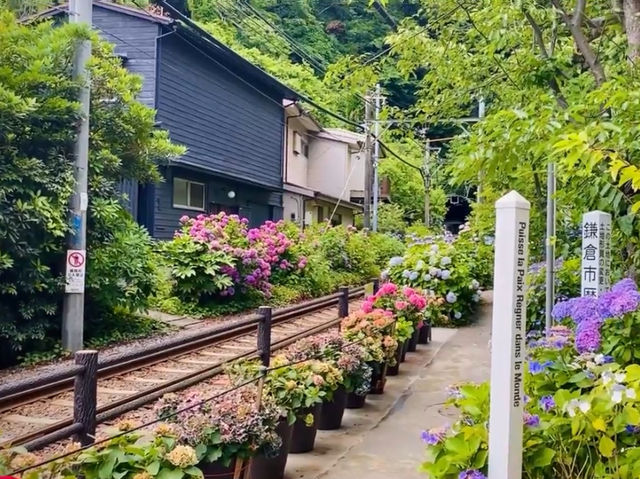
[508, 337]
[596, 253]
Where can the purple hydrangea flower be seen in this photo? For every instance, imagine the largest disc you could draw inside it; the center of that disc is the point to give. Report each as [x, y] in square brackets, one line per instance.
[531, 420]
[433, 436]
[535, 367]
[561, 310]
[547, 403]
[626, 284]
[471, 474]
[588, 337]
[584, 308]
[618, 302]
[632, 429]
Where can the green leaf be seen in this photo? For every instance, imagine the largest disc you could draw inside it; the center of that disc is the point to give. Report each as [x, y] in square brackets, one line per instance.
[543, 457]
[606, 446]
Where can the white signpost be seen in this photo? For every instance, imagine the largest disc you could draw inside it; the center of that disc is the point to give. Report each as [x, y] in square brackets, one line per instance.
[508, 337]
[596, 253]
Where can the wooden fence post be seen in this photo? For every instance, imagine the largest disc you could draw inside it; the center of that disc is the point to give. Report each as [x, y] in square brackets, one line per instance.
[264, 335]
[343, 302]
[376, 285]
[85, 390]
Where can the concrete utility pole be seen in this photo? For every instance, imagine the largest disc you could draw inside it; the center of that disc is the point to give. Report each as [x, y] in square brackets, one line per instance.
[376, 158]
[550, 245]
[80, 11]
[368, 163]
[426, 176]
[481, 113]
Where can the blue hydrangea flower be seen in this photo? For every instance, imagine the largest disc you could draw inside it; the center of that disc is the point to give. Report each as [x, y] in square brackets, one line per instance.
[413, 275]
[451, 297]
[396, 261]
[445, 260]
[445, 274]
[426, 277]
[406, 273]
[457, 315]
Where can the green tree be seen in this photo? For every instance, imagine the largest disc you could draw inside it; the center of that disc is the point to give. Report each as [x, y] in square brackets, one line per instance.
[561, 83]
[38, 113]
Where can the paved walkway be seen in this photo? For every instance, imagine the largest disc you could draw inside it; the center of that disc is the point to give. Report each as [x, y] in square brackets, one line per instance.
[382, 440]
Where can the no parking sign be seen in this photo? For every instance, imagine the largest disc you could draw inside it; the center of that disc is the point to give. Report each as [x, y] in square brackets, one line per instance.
[75, 270]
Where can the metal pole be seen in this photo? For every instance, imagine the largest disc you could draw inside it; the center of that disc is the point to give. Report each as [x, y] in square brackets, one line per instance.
[481, 113]
[427, 183]
[550, 244]
[376, 157]
[80, 11]
[367, 165]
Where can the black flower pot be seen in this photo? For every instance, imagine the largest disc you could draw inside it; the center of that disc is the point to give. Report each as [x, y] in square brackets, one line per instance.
[303, 437]
[215, 470]
[413, 341]
[378, 378]
[355, 401]
[423, 335]
[395, 369]
[405, 350]
[262, 467]
[332, 411]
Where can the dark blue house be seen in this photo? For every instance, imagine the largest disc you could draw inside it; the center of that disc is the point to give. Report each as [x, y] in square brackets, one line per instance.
[227, 112]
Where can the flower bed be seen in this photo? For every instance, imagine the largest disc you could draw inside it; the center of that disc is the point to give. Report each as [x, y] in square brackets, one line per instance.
[582, 403]
[217, 264]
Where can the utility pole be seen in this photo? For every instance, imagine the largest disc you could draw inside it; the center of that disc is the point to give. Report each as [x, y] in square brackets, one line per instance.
[80, 11]
[550, 252]
[368, 163]
[376, 158]
[426, 176]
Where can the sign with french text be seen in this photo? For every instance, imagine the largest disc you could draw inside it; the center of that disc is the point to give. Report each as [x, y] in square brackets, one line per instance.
[508, 337]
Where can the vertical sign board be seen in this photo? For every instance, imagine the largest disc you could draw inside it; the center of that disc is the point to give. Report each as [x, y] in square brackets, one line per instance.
[596, 253]
[508, 337]
[75, 270]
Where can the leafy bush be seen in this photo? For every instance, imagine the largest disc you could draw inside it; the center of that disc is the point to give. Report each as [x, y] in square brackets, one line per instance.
[391, 219]
[384, 247]
[38, 110]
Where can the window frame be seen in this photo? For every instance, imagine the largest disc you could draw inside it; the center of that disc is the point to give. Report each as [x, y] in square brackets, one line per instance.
[189, 183]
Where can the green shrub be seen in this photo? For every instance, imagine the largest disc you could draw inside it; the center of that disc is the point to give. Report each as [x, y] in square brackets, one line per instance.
[384, 247]
[121, 265]
[391, 219]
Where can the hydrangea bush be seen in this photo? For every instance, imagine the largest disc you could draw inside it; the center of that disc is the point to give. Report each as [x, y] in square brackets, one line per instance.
[372, 331]
[442, 270]
[582, 401]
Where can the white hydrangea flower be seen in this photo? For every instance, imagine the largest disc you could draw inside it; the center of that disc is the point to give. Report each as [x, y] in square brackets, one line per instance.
[419, 264]
[445, 274]
[445, 261]
[426, 277]
[396, 261]
[475, 284]
[457, 315]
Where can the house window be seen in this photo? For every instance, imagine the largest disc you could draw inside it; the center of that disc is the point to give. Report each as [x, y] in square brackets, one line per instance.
[188, 194]
[305, 148]
[320, 213]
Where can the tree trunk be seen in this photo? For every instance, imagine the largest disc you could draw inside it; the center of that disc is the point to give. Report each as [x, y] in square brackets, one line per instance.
[632, 27]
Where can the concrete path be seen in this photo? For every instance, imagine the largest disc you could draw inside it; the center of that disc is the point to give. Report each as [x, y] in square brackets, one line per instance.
[382, 440]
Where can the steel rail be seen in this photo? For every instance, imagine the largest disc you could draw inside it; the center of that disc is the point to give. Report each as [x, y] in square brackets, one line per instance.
[51, 433]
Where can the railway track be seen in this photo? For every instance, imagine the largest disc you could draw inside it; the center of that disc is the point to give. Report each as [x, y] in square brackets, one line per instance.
[29, 416]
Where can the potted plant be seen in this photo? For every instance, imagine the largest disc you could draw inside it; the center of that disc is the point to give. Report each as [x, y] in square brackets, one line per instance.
[406, 303]
[225, 435]
[372, 330]
[402, 333]
[349, 359]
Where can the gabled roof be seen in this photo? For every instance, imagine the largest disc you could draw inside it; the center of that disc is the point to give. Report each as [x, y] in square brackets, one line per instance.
[196, 36]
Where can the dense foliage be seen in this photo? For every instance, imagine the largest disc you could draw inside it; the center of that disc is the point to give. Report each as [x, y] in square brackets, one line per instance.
[582, 409]
[37, 112]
